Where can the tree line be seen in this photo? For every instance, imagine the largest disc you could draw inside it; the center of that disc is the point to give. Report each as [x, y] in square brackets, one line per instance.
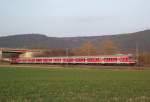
[87, 48]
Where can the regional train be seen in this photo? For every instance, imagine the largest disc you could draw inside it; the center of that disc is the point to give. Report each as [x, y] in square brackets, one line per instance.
[119, 59]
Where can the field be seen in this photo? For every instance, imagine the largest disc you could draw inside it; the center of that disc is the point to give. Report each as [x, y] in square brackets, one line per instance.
[20, 84]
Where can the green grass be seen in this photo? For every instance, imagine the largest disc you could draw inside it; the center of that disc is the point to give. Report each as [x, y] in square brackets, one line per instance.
[73, 85]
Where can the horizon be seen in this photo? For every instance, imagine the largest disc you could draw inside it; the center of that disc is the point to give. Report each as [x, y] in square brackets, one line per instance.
[74, 36]
[67, 18]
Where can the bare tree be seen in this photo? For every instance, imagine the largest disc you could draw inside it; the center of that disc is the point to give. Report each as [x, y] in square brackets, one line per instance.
[108, 47]
[86, 49]
[144, 58]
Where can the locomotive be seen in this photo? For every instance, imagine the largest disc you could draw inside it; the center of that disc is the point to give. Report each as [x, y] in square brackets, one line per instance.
[119, 59]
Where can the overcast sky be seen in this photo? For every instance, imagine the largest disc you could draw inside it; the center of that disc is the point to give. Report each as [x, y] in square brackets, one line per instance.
[73, 17]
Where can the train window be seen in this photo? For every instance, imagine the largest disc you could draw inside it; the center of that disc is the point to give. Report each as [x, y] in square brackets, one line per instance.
[97, 59]
[114, 59]
[80, 60]
[57, 60]
[38, 60]
[70, 60]
[110, 60]
[50, 60]
[88, 59]
[64, 60]
[124, 59]
[105, 59]
[45, 60]
[93, 59]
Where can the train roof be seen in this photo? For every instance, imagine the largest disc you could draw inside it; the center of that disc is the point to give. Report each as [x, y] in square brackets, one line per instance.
[116, 55]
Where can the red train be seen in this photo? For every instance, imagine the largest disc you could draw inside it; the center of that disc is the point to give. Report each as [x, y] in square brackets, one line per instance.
[101, 60]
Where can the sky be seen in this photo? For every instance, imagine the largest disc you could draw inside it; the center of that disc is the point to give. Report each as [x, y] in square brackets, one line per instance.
[69, 18]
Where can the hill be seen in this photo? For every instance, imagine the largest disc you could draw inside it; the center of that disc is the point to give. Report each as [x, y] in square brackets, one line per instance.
[126, 42]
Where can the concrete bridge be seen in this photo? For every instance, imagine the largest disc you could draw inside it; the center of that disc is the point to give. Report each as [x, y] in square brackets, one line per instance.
[12, 52]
